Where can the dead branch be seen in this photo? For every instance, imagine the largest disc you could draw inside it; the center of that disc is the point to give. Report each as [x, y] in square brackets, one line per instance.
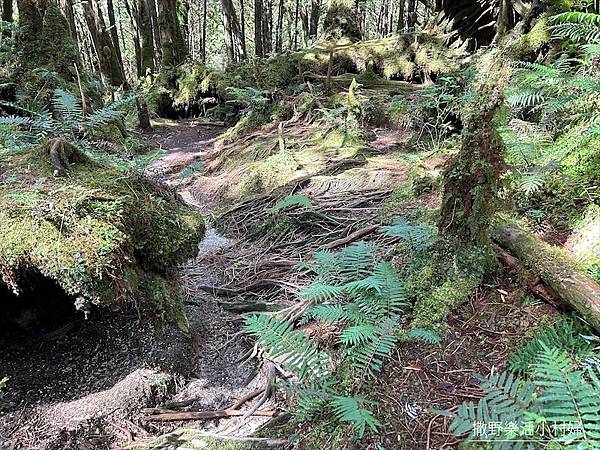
[352, 237]
[175, 416]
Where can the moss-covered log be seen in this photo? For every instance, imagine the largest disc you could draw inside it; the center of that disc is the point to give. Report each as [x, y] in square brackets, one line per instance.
[556, 269]
[105, 237]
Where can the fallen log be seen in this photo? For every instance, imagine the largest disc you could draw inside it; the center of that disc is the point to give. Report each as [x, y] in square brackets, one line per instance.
[556, 269]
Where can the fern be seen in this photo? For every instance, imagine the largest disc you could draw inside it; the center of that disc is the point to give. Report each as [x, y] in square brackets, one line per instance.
[350, 409]
[321, 292]
[565, 335]
[418, 236]
[291, 201]
[292, 348]
[368, 356]
[425, 335]
[567, 397]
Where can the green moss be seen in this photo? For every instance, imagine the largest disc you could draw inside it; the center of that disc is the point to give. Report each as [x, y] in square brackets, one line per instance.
[105, 237]
[431, 310]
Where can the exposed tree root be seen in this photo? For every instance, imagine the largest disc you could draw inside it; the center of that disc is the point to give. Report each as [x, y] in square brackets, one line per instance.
[61, 154]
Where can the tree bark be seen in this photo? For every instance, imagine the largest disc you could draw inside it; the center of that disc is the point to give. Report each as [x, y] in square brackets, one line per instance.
[472, 177]
[556, 269]
[110, 67]
[153, 11]
[243, 29]
[146, 38]
[412, 15]
[113, 30]
[258, 28]
[400, 25]
[7, 10]
[173, 48]
[233, 35]
[204, 22]
[67, 8]
[279, 30]
[315, 14]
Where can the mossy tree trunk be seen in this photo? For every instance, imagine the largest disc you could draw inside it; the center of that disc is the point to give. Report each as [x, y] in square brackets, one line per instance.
[472, 177]
[556, 269]
[233, 34]
[67, 9]
[113, 30]
[105, 49]
[173, 48]
[44, 40]
[258, 28]
[145, 37]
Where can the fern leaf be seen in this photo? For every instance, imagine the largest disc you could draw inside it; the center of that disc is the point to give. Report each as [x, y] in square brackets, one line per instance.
[291, 201]
[350, 409]
[425, 335]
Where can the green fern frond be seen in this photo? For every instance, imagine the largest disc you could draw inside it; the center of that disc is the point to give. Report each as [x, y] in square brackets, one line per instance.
[350, 409]
[68, 107]
[320, 293]
[110, 113]
[358, 334]
[418, 236]
[292, 348]
[291, 201]
[565, 335]
[425, 335]
[336, 313]
[368, 356]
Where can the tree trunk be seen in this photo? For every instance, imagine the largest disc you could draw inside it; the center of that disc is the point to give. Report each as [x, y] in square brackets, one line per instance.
[152, 10]
[279, 30]
[7, 10]
[400, 26]
[267, 29]
[258, 28]
[472, 177]
[556, 269]
[113, 30]
[296, 24]
[110, 67]
[146, 39]
[204, 22]
[67, 8]
[315, 14]
[233, 35]
[412, 15]
[173, 48]
[243, 29]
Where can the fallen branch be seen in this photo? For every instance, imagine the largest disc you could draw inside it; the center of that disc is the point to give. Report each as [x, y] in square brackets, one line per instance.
[204, 415]
[352, 237]
[556, 269]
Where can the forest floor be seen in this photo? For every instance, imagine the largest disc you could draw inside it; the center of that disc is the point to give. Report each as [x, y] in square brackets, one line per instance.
[92, 390]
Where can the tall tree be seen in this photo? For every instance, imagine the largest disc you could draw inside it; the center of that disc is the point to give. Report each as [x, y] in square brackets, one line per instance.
[279, 27]
[400, 25]
[67, 10]
[233, 35]
[174, 50]
[258, 28]
[411, 10]
[108, 61]
[204, 24]
[113, 30]
[7, 10]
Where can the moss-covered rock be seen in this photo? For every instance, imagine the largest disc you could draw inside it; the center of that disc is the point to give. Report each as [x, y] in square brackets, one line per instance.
[105, 237]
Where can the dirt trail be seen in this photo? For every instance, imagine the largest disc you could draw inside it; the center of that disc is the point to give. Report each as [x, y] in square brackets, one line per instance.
[88, 381]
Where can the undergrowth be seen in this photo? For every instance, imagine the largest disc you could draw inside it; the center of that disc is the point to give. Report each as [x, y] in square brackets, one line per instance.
[549, 398]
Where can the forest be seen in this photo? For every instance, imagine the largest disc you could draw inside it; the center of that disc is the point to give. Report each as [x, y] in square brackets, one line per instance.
[299, 224]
